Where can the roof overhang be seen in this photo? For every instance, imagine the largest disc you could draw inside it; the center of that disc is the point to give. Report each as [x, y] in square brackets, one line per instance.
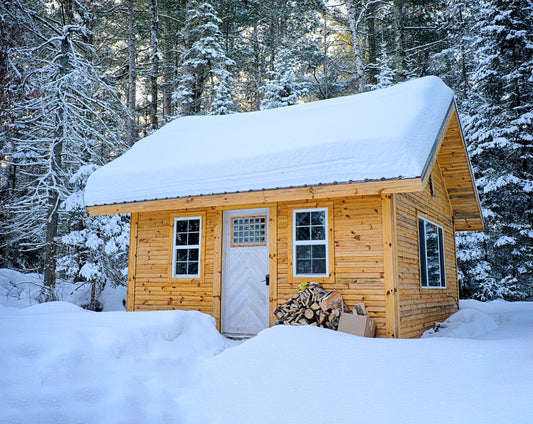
[364, 188]
[451, 154]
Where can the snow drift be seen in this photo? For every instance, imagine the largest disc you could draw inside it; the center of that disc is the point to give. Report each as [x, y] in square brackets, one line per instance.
[59, 363]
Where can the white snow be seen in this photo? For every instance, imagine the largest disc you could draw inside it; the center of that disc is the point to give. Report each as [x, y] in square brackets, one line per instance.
[61, 364]
[388, 133]
[19, 290]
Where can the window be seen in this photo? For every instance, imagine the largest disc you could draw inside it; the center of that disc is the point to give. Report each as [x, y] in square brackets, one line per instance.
[248, 231]
[431, 242]
[310, 245]
[186, 255]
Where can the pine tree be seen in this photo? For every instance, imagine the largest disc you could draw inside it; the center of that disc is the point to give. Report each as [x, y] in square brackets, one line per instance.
[223, 103]
[386, 75]
[500, 131]
[74, 119]
[203, 60]
[326, 58]
[95, 249]
[283, 88]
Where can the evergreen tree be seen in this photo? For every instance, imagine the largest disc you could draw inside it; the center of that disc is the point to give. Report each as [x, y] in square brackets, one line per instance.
[501, 145]
[386, 75]
[325, 58]
[223, 103]
[95, 249]
[283, 88]
[74, 119]
[203, 60]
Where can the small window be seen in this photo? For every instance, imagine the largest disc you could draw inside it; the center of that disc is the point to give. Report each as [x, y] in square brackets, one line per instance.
[431, 242]
[186, 255]
[248, 231]
[310, 247]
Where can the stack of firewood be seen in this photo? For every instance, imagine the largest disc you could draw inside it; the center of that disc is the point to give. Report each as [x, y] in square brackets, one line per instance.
[312, 305]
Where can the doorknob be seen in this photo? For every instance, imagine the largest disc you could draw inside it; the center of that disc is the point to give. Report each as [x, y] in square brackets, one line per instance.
[267, 279]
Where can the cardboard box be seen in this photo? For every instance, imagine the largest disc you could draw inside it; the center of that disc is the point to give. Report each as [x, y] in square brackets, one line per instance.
[358, 325]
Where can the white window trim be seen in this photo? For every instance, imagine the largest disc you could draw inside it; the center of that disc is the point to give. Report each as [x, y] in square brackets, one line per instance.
[442, 263]
[188, 246]
[309, 242]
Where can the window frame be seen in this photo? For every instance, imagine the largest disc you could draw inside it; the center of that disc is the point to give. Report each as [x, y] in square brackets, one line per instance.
[296, 243]
[175, 247]
[422, 246]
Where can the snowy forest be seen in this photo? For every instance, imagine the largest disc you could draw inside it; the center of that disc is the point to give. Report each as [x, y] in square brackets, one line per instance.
[82, 80]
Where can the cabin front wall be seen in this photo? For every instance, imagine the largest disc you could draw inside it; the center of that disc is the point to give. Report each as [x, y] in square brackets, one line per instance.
[420, 308]
[355, 254]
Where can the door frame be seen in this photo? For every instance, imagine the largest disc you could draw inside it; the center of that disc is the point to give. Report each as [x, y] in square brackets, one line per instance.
[227, 246]
[219, 257]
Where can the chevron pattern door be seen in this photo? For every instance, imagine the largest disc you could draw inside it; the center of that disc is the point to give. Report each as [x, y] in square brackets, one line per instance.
[245, 291]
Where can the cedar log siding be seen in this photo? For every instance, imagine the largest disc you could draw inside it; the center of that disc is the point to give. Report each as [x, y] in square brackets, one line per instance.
[355, 258]
[151, 286]
[421, 307]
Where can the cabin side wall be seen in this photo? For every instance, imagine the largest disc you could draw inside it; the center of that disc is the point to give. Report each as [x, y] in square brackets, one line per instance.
[421, 307]
[355, 255]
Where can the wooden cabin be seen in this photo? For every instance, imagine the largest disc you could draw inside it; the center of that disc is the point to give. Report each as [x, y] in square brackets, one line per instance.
[362, 194]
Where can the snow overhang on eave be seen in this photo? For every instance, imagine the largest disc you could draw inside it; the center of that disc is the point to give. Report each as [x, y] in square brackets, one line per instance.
[335, 190]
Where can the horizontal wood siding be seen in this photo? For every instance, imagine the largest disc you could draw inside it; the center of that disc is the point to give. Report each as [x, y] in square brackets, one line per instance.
[421, 307]
[356, 253]
[154, 286]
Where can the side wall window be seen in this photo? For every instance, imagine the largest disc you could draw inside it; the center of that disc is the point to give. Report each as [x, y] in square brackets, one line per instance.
[310, 242]
[186, 252]
[431, 245]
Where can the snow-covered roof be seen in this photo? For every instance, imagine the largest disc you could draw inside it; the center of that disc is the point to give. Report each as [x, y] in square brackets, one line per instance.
[384, 134]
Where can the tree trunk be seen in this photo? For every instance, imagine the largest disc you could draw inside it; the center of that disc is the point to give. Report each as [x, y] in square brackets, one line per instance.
[355, 16]
[53, 197]
[132, 75]
[399, 54]
[372, 42]
[154, 38]
[167, 88]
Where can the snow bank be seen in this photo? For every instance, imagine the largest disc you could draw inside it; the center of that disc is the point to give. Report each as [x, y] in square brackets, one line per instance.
[486, 320]
[59, 363]
[466, 323]
[18, 290]
[388, 134]
[312, 375]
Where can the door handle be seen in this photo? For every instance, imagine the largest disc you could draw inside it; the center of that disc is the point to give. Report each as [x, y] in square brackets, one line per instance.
[267, 279]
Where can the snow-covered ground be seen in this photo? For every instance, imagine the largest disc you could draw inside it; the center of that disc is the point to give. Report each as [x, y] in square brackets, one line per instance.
[21, 290]
[62, 364]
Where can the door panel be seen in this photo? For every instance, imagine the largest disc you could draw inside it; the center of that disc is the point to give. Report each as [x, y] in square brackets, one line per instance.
[245, 264]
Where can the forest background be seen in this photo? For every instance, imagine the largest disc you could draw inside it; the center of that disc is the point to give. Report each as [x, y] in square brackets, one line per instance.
[83, 80]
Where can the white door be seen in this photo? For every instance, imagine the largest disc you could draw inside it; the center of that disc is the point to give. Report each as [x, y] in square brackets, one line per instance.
[245, 289]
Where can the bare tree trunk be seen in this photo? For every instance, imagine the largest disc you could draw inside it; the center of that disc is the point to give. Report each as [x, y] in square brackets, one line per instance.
[399, 55]
[50, 250]
[356, 13]
[167, 88]
[155, 64]
[258, 74]
[372, 71]
[132, 75]
[186, 105]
